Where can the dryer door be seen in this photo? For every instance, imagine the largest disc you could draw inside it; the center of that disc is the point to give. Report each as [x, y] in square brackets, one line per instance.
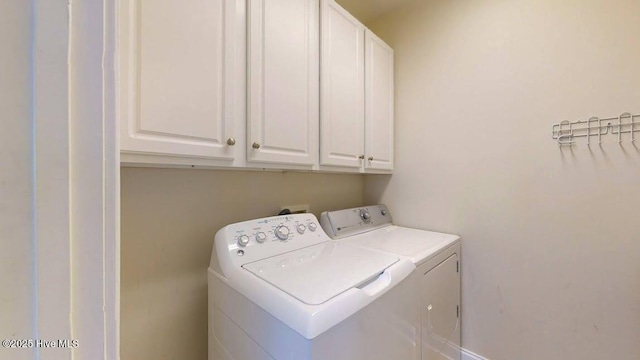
[441, 311]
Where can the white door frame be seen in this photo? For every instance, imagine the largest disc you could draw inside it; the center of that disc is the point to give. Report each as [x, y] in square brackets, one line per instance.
[76, 178]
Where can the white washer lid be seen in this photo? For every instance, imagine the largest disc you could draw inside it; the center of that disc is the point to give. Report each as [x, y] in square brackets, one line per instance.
[318, 273]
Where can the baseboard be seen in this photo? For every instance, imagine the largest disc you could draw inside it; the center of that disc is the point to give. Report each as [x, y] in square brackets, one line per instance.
[468, 355]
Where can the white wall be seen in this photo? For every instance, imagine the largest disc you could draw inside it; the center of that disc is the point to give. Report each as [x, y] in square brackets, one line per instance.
[551, 237]
[169, 218]
[16, 277]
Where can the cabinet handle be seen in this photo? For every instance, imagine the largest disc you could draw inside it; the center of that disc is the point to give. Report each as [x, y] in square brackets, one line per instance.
[370, 158]
[231, 141]
[256, 145]
[361, 157]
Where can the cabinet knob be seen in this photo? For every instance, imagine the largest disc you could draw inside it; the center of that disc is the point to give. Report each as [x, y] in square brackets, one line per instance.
[231, 141]
[361, 157]
[370, 158]
[256, 145]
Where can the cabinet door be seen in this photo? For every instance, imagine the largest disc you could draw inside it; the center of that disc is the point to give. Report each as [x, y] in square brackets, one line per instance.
[178, 77]
[378, 103]
[441, 311]
[283, 81]
[341, 87]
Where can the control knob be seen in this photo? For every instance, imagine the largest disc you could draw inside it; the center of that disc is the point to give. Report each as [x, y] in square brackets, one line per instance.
[301, 228]
[312, 226]
[261, 237]
[364, 214]
[243, 240]
[282, 232]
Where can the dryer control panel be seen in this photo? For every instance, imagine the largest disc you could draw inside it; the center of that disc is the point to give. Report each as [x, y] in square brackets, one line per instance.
[348, 222]
[253, 240]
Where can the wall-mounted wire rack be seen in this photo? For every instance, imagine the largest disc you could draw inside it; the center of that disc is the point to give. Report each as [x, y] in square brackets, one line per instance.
[565, 132]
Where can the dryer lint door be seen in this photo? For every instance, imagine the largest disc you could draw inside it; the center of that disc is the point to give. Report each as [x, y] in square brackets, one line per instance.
[440, 313]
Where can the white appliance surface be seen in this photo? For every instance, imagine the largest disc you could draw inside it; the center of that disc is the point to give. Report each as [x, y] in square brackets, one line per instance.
[289, 267]
[318, 273]
[417, 245]
[372, 227]
[436, 280]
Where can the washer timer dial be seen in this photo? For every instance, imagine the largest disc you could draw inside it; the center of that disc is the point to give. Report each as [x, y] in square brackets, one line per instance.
[282, 232]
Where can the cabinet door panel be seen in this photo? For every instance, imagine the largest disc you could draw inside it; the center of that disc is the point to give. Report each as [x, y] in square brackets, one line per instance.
[342, 87]
[379, 103]
[178, 77]
[283, 81]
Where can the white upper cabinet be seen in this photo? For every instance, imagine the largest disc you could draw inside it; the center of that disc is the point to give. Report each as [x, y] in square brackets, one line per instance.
[357, 95]
[379, 103]
[283, 84]
[341, 87]
[280, 84]
[180, 78]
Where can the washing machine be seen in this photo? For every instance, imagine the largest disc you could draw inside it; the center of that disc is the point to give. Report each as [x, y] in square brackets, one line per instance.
[281, 289]
[436, 279]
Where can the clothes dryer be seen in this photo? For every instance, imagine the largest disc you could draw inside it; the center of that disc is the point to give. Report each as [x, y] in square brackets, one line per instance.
[436, 280]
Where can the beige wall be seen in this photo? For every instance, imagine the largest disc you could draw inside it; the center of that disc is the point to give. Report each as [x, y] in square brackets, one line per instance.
[551, 236]
[16, 195]
[169, 218]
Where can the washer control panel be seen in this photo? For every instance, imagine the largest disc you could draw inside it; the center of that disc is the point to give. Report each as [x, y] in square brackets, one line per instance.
[253, 240]
[348, 222]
